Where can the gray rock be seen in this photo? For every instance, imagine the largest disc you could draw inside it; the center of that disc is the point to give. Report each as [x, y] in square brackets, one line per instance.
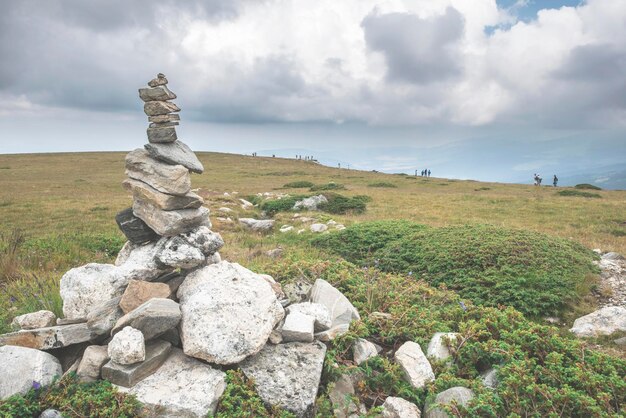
[228, 313]
[138, 292]
[323, 321]
[178, 253]
[152, 94]
[152, 318]
[141, 264]
[160, 134]
[135, 230]
[51, 413]
[103, 317]
[612, 256]
[605, 321]
[317, 228]
[141, 190]
[65, 321]
[124, 253]
[159, 108]
[310, 203]
[400, 408]
[490, 378]
[276, 287]
[438, 345]
[259, 225]
[127, 347]
[298, 327]
[342, 396]
[50, 337]
[39, 319]
[286, 228]
[166, 178]
[620, 341]
[20, 367]
[160, 80]
[176, 152]
[94, 357]
[182, 387]
[204, 239]
[172, 117]
[417, 370]
[297, 291]
[363, 350]
[457, 395]
[287, 375]
[169, 223]
[341, 310]
[128, 375]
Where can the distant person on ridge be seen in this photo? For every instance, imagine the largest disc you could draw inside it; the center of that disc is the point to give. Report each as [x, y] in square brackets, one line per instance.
[428, 173]
[555, 180]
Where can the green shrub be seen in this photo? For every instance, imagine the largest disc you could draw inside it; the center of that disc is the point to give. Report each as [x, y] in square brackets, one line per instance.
[338, 204]
[272, 207]
[382, 184]
[328, 186]
[587, 186]
[535, 273]
[298, 184]
[576, 193]
[73, 400]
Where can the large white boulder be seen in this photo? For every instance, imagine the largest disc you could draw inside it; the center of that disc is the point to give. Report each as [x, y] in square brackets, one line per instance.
[417, 370]
[228, 313]
[341, 310]
[20, 367]
[310, 203]
[605, 321]
[399, 408]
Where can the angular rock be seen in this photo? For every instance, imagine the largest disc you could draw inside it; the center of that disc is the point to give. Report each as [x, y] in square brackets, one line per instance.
[65, 321]
[137, 292]
[152, 94]
[620, 342]
[438, 345]
[605, 321]
[228, 313]
[204, 239]
[128, 375]
[297, 291]
[287, 375]
[160, 134]
[341, 310]
[417, 370]
[318, 228]
[176, 152]
[20, 367]
[182, 387]
[257, 224]
[159, 108]
[323, 321]
[127, 248]
[152, 318]
[103, 317]
[94, 357]
[400, 408]
[490, 378]
[166, 178]
[298, 327]
[178, 253]
[310, 203]
[160, 80]
[141, 264]
[135, 230]
[39, 319]
[50, 337]
[164, 201]
[457, 395]
[172, 117]
[127, 347]
[168, 223]
[363, 350]
[342, 397]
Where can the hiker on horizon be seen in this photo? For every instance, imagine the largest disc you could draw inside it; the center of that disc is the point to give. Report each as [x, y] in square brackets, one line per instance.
[555, 180]
[428, 173]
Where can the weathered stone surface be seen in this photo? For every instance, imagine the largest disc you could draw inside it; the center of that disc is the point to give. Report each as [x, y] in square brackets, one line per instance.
[417, 370]
[182, 387]
[50, 337]
[342, 397]
[612, 256]
[137, 292]
[257, 224]
[286, 228]
[157, 108]
[310, 203]
[323, 321]
[204, 239]
[51, 413]
[297, 291]
[135, 230]
[490, 378]
[169, 223]
[341, 310]
[457, 395]
[298, 327]
[438, 345]
[318, 228]
[276, 287]
[171, 117]
[141, 190]
[152, 94]
[228, 313]
[94, 357]
[605, 321]
[124, 253]
[65, 321]
[128, 375]
[363, 350]
[20, 367]
[152, 318]
[102, 318]
[178, 253]
[160, 134]
[399, 408]
[39, 319]
[160, 80]
[127, 347]
[166, 178]
[176, 152]
[287, 375]
[141, 265]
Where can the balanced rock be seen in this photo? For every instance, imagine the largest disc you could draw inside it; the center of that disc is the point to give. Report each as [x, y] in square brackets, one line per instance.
[127, 347]
[399, 408]
[152, 318]
[135, 230]
[168, 223]
[181, 387]
[362, 350]
[20, 367]
[169, 118]
[94, 357]
[457, 395]
[166, 178]
[323, 321]
[228, 313]
[438, 345]
[177, 153]
[298, 327]
[605, 321]
[160, 92]
[102, 318]
[287, 375]
[178, 253]
[127, 375]
[39, 319]
[137, 292]
[204, 239]
[341, 310]
[140, 264]
[257, 224]
[164, 201]
[160, 80]
[417, 370]
[161, 134]
[159, 108]
[48, 338]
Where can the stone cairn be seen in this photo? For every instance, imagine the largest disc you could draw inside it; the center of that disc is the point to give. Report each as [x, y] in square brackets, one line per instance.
[169, 315]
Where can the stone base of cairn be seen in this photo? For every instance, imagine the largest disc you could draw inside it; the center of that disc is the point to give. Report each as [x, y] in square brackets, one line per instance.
[169, 316]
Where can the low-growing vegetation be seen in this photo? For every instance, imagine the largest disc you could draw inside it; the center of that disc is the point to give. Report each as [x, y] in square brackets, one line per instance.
[384, 184]
[576, 193]
[587, 186]
[328, 186]
[302, 184]
[337, 204]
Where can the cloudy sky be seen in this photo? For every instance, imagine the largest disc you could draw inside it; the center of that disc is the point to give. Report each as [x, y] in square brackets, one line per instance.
[484, 89]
